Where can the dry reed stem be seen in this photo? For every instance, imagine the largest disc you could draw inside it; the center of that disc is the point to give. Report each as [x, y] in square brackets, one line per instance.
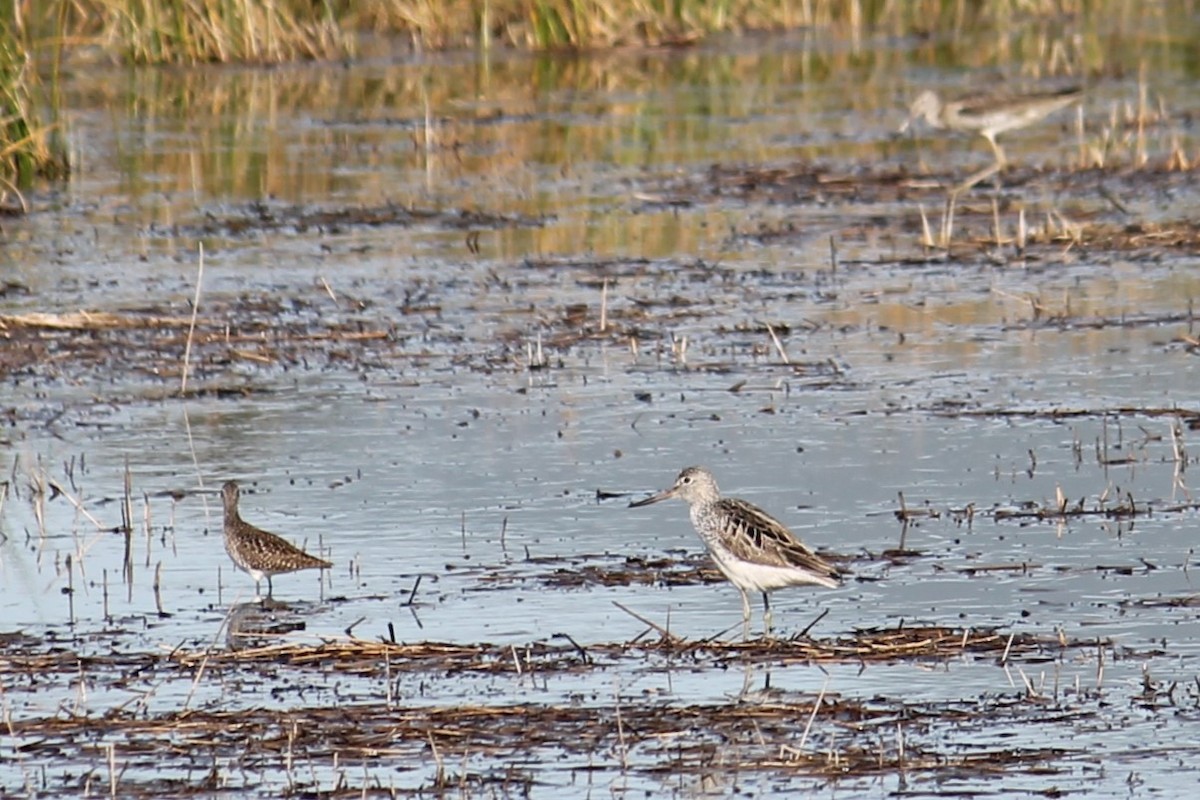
[948, 221]
[187, 348]
[100, 527]
[1080, 138]
[812, 717]
[604, 306]
[204, 660]
[88, 321]
[328, 290]
[662, 632]
[9, 186]
[1140, 157]
[926, 241]
[624, 748]
[158, 605]
[778, 344]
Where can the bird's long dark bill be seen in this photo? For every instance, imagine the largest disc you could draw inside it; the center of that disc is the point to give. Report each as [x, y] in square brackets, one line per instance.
[654, 498]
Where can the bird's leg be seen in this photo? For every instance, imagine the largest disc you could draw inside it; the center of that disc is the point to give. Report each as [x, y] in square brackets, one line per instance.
[971, 180]
[1001, 161]
[766, 616]
[745, 614]
[270, 589]
[987, 172]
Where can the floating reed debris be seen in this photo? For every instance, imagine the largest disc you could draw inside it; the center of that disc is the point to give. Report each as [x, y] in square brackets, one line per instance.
[88, 321]
[822, 736]
[1061, 508]
[368, 657]
[143, 342]
[906, 514]
[574, 572]
[1189, 416]
[326, 723]
[259, 217]
[591, 569]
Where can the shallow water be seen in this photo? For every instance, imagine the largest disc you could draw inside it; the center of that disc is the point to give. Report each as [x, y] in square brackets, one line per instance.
[433, 458]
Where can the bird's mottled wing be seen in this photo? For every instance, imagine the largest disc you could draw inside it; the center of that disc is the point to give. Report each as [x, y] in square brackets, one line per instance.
[269, 552]
[750, 534]
[1014, 109]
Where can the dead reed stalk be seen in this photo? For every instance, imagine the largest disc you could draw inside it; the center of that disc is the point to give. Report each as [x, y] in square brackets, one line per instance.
[187, 348]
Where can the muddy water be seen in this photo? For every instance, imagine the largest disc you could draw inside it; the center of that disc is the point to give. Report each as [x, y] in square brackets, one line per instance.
[451, 472]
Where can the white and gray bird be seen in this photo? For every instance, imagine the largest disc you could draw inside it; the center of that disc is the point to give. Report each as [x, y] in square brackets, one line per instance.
[989, 116]
[755, 551]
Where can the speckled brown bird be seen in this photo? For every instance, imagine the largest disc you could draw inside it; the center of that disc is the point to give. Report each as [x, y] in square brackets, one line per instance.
[259, 552]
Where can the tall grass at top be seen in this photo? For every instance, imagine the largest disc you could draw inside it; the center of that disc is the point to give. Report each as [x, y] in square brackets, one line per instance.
[37, 35]
[196, 31]
[32, 142]
[275, 31]
[596, 24]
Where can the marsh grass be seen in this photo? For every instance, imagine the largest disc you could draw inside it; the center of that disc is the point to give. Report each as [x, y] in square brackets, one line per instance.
[32, 144]
[593, 24]
[196, 31]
